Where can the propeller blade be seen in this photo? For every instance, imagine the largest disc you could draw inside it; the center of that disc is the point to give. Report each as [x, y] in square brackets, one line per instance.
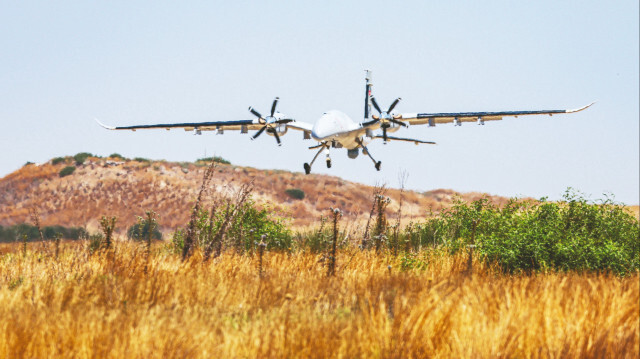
[368, 123]
[256, 113]
[393, 105]
[275, 134]
[259, 132]
[398, 122]
[375, 104]
[273, 106]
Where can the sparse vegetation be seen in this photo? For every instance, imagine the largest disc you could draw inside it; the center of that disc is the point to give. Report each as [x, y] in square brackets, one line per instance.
[215, 159]
[117, 156]
[295, 193]
[81, 157]
[67, 171]
[58, 160]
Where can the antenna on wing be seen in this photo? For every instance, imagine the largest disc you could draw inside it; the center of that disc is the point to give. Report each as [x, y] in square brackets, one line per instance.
[367, 94]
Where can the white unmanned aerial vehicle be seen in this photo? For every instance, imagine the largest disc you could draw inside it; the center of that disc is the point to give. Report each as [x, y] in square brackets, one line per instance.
[335, 129]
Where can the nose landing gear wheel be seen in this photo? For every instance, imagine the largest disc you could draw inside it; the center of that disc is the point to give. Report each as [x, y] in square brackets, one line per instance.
[378, 165]
[307, 169]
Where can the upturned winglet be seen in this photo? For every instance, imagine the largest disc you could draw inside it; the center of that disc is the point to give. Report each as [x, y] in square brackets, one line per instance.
[581, 108]
[105, 126]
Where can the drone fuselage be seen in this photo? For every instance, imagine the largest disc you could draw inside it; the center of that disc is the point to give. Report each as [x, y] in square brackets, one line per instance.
[336, 126]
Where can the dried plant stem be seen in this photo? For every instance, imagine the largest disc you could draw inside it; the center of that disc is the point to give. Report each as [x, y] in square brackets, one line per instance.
[35, 218]
[378, 190]
[191, 228]
[334, 243]
[108, 225]
[230, 214]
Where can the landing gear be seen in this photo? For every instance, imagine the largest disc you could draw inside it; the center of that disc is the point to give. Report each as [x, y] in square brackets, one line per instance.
[365, 150]
[322, 146]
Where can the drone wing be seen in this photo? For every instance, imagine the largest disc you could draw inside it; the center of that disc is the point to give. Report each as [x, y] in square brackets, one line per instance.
[190, 126]
[458, 117]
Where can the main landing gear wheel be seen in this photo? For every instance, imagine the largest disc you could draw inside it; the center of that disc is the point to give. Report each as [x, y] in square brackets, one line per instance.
[378, 165]
[328, 163]
[307, 169]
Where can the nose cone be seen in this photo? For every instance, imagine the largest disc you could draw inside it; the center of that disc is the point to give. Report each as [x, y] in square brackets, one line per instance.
[332, 123]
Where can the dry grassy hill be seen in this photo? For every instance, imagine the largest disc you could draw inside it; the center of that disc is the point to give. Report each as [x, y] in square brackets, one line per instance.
[127, 188]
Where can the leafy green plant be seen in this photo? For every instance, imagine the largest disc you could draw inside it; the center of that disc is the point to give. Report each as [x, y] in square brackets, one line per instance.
[142, 159]
[216, 159]
[526, 236]
[58, 160]
[295, 193]
[81, 157]
[117, 156]
[66, 171]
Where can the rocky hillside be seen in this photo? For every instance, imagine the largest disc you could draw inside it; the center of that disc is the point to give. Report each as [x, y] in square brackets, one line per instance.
[127, 188]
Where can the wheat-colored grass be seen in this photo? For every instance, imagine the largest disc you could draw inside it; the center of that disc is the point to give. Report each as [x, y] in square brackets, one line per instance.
[103, 305]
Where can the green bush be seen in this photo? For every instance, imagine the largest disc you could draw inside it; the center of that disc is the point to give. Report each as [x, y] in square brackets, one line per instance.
[538, 235]
[27, 163]
[11, 233]
[242, 233]
[81, 157]
[295, 193]
[139, 232]
[142, 159]
[58, 160]
[217, 159]
[66, 171]
[117, 156]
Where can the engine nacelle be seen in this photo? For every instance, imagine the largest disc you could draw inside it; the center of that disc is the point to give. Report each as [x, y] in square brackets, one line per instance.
[280, 128]
[393, 127]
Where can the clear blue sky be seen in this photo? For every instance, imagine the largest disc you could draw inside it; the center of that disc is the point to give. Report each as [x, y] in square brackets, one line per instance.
[63, 64]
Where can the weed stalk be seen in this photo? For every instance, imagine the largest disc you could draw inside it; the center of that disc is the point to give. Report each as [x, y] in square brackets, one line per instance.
[334, 243]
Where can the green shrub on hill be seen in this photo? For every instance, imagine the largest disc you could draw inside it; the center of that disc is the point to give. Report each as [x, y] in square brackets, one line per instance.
[217, 159]
[67, 171]
[81, 157]
[295, 193]
[58, 160]
[117, 156]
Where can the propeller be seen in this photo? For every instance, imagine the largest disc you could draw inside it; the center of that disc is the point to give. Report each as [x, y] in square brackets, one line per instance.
[385, 118]
[270, 122]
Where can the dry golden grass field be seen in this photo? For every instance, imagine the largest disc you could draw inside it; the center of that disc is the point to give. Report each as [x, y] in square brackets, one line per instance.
[120, 304]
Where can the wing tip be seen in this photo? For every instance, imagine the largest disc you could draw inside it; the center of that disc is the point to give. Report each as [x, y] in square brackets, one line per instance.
[581, 108]
[105, 126]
